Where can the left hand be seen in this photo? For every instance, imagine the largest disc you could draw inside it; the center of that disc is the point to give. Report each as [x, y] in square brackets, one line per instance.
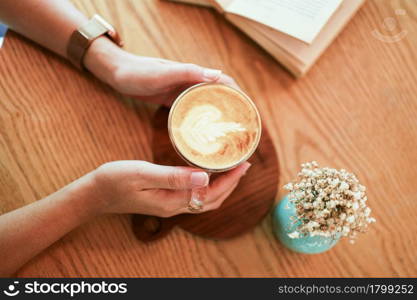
[149, 79]
[144, 188]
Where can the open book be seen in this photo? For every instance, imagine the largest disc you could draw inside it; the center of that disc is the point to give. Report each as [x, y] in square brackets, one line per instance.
[295, 32]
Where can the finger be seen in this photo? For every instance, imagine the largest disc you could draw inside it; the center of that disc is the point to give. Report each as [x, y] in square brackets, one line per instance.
[160, 60]
[227, 80]
[167, 61]
[224, 182]
[219, 201]
[221, 188]
[189, 73]
[220, 185]
[175, 178]
[208, 206]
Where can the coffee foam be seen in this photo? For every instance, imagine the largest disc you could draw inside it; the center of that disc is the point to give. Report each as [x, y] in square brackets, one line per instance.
[214, 126]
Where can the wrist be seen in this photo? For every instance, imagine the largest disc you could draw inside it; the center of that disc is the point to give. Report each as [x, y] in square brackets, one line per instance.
[101, 59]
[101, 190]
[84, 197]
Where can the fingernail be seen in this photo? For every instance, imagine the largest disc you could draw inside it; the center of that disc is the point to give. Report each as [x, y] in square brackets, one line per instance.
[245, 168]
[211, 74]
[199, 179]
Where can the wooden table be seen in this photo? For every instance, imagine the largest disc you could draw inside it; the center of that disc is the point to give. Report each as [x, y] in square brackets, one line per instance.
[356, 109]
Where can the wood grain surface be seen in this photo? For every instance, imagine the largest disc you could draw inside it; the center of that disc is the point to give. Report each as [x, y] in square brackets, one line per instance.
[356, 109]
[245, 208]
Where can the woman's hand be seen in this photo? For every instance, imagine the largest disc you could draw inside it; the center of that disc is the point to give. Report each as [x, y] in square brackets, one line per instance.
[150, 79]
[115, 187]
[145, 188]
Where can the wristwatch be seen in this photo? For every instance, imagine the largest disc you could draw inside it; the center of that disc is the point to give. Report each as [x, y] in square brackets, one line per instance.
[82, 38]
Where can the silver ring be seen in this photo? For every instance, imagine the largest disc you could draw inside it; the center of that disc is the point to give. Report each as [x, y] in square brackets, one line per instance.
[195, 206]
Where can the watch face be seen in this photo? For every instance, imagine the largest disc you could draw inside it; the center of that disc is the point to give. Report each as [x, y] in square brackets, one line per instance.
[82, 38]
[109, 29]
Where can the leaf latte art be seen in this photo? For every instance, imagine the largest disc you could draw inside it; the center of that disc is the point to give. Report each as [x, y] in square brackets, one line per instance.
[214, 127]
[202, 128]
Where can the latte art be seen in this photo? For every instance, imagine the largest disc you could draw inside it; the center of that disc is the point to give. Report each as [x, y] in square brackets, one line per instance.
[214, 127]
[202, 128]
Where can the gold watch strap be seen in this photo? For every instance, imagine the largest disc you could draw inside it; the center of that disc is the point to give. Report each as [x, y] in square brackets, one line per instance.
[82, 38]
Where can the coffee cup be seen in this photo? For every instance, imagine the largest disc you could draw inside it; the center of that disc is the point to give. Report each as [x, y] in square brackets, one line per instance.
[214, 127]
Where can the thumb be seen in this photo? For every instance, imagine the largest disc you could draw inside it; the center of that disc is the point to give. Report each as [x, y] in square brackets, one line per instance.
[175, 178]
[190, 73]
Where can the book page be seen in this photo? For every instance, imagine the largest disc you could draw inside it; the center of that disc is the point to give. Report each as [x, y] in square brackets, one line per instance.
[302, 19]
[296, 55]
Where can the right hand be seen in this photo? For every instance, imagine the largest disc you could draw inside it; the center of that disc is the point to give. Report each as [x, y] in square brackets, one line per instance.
[145, 188]
[150, 79]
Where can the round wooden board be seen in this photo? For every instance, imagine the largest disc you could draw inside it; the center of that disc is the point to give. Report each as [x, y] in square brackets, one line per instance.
[245, 207]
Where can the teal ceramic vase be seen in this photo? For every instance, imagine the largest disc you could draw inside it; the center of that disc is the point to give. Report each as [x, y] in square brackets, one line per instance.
[282, 226]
